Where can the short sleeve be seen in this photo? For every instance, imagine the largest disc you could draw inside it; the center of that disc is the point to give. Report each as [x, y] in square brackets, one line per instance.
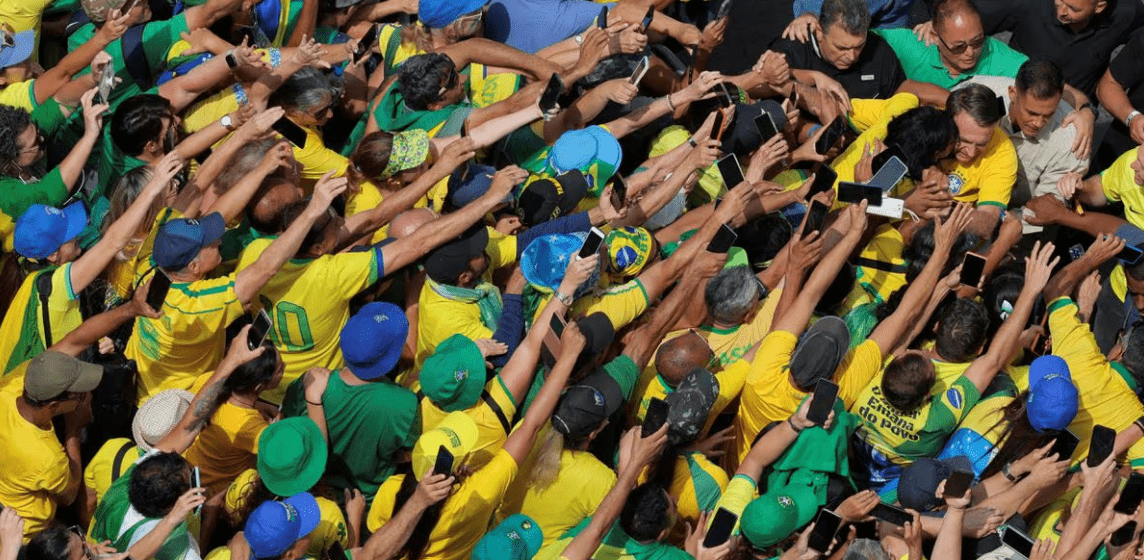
[1125, 67]
[54, 476]
[857, 370]
[621, 304]
[356, 271]
[736, 496]
[1072, 339]
[501, 249]
[1119, 176]
[623, 369]
[317, 159]
[999, 172]
[501, 397]
[491, 481]
[773, 355]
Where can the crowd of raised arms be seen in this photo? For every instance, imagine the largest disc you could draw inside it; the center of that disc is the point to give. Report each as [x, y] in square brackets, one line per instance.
[571, 279]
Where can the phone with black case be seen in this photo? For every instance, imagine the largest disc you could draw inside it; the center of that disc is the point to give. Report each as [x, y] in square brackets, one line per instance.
[766, 126]
[655, 418]
[891, 514]
[444, 463]
[815, 217]
[857, 192]
[723, 240]
[957, 484]
[646, 23]
[824, 178]
[830, 136]
[825, 393]
[619, 191]
[602, 19]
[1065, 445]
[972, 267]
[825, 526]
[1100, 445]
[720, 530]
[1131, 495]
[157, 292]
[365, 45]
[290, 131]
[1020, 542]
[551, 94]
[1130, 255]
[731, 171]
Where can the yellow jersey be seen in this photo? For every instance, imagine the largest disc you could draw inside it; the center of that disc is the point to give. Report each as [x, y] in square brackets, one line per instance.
[22, 334]
[580, 486]
[990, 178]
[492, 427]
[35, 468]
[331, 524]
[228, 445]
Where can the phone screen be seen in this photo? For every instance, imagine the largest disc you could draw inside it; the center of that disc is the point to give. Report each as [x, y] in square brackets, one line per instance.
[855, 193]
[106, 84]
[825, 393]
[641, 69]
[830, 136]
[825, 525]
[717, 126]
[723, 240]
[646, 23]
[731, 171]
[766, 126]
[197, 482]
[720, 530]
[891, 514]
[157, 293]
[1065, 445]
[655, 418]
[725, 98]
[602, 19]
[1130, 255]
[815, 217]
[1121, 536]
[619, 192]
[1018, 541]
[551, 94]
[557, 324]
[724, 9]
[971, 270]
[889, 174]
[290, 131]
[1131, 495]
[1000, 107]
[1101, 444]
[258, 330]
[957, 484]
[591, 244]
[444, 463]
[824, 178]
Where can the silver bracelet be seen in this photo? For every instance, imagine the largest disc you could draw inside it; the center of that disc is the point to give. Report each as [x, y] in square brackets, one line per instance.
[670, 105]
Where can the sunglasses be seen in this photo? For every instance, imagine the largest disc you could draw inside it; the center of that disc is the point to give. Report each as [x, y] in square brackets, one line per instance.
[959, 48]
[454, 78]
[78, 531]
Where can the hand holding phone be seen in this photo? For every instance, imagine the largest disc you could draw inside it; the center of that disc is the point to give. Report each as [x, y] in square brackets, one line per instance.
[957, 484]
[444, 463]
[258, 330]
[971, 270]
[720, 529]
[655, 418]
[290, 131]
[830, 136]
[365, 45]
[815, 217]
[825, 393]
[551, 94]
[591, 244]
[723, 240]
[766, 126]
[731, 171]
[157, 293]
[1100, 445]
[825, 526]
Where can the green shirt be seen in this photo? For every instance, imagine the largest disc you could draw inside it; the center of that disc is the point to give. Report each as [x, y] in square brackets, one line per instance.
[158, 38]
[367, 424]
[617, 545]
[923, 64]
[16, 195]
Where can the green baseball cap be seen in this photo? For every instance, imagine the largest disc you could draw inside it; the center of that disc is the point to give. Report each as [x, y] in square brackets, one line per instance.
[291, 456]
[454, 376]
[777, 514]
[517, 538]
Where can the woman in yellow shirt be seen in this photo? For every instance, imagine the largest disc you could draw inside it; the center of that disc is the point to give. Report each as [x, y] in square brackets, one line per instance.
[229, 444]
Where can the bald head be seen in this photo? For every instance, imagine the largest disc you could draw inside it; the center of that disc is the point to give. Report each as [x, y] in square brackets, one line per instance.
[407, 222]
[270, 201]
[678, 356]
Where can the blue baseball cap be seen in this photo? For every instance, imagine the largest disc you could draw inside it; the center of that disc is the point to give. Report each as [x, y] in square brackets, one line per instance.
[439, 13]
[16, 47]
[1052, 401]
[275, 526]
[42, 230]
[179, 241]
[372, 339]
[518, 537]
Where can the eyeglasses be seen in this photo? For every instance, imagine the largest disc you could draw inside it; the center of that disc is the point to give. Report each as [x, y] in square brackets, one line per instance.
[454, 78]
[78, 531]
[959, 48]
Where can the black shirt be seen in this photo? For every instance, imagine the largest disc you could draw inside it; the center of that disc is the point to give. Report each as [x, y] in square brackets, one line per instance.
[875, 75]
[1082, 56]
[752, 27]
[1127, 68]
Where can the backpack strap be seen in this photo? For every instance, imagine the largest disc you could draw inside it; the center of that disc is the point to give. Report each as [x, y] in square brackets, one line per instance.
[485, 396]
[135, 57]
[117, 464]
[44, 290]
[78, 20]
[880, 265]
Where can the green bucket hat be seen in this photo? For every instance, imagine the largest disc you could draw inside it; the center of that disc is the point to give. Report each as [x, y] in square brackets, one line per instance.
[454, 376]
[291, 456]
[776, 515]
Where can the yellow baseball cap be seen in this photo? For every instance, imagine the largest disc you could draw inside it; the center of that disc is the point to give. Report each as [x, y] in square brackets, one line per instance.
[457, 433]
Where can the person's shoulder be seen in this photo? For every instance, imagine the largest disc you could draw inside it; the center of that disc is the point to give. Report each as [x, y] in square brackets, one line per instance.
[896, 36]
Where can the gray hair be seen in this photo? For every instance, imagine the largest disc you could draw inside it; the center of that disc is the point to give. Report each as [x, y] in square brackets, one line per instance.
[866, 549]
[852, 15]
[245, 160]
[731, 294]
[304, 91]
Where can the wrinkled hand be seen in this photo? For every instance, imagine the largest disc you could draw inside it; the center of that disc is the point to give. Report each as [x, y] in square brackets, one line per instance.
[239, 353]
[834, 91]
[924, 32]
[802, 28]
[457, 153]
[774, 69]
[1043, 550]
[704, 154]
[491, 347]
[1087, 293]
[164, 172]
[805, 251]
[572, 341]
[1103, 248]
[701, 88]
[115, 25]
[626, 39]
[637, 452]
[1069, 184]
[431, 489]
[1046, 209]
[326, 190]
[953, 502]
[734, 202]
[772, 152]
[931, 197]
[594, 49]
[713, 35]
[857, 508]
[947, 231]
[1084, 121]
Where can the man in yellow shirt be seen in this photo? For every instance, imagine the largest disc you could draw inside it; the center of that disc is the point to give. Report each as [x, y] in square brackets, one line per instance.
[38, 472]
[188, 340]
[983, 169]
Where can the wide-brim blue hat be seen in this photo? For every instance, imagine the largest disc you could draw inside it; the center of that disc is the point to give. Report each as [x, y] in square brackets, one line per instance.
[41, 230]
[23, 45]
[439, 13]
[545, 260]
[371, 341]
[275, 526]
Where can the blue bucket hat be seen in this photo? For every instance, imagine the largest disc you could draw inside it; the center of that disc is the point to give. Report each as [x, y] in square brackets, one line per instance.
[545, 260]
[275, 526]
[42, 230]
[439, 13]
[179, 241]
[372, 339]
[1052, 401]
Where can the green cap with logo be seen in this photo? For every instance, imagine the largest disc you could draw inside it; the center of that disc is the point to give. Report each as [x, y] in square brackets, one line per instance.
[454, 376]
[517, 538]
[776, 515]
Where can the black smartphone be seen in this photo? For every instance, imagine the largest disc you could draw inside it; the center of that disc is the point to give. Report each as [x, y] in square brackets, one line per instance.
[1131, 495]
[619, 191]
[731, 171]
[557, 325]
[551, 93]
[1121, 536]
[655, 418]
[591, 244]
[717, 126]
[444, 463]
[197, 482]
[825, 526]
[1000, 107]
[891, 514]
[724, 96]
[365, 45]
[1065, 445]
[972, 267]
[857, 192]
[646, 23]
[231, 61]
[720, 529]
[641, 69]
[957, 484]
[336, 552]
[825, 393]
[830, 136]
[290, 131]
[1100, 445]
[157, 293]
[824, 178]
[724, 9]
[815, 218]
[1130, 255]
[1020, 542]
[602, 19]
[465, 128]
[723, 240]
[879, 160]
[258, 330]
[766, 126]
[888, 174]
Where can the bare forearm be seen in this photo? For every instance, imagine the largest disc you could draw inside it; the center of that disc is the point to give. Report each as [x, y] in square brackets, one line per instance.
[1113, 97]
[928, 94]
[90, 331]
[585, 544]
[182, 91]
[200, 141]
[767, 450]
[251, 279]
[388, 540]
[1074, 97]
[235, 199]
[428, 237]
[72, 166]
[59, 75]
[638, 119]
[948, 543]
[261, 89]
[1064, 283]
[307, 19]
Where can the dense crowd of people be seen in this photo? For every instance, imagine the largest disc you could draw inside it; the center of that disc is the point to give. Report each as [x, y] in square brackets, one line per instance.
[564, 279]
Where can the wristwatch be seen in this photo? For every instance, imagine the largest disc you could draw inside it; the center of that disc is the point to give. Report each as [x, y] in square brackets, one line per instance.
[227, 123]
[564, 298]
[579, 39]
[1132, 115]
[1088, 106]
[1005, 471]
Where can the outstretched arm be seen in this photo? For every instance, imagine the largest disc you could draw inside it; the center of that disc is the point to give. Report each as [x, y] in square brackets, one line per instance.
[387, 541]
[90, 331]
